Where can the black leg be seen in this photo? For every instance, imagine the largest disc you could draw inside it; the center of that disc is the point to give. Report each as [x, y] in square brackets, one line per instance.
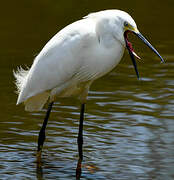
[41, 137]
[80, 135]
[80, 142]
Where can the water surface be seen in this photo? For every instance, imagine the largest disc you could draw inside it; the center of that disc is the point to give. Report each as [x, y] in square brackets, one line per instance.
[129, 126]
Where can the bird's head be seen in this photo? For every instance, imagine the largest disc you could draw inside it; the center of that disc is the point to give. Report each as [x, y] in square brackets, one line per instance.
[120, 24]
[129, 26]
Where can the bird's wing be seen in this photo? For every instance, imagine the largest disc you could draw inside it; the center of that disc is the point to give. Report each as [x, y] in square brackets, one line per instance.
[58, 61]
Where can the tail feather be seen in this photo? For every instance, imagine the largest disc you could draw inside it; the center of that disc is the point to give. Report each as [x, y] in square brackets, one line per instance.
[21, 77]
[36, 103]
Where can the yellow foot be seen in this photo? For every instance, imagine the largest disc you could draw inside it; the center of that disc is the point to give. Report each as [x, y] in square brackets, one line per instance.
[90, 168]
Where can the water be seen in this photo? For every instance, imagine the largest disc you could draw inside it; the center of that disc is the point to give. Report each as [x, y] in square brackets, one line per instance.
[128, 128]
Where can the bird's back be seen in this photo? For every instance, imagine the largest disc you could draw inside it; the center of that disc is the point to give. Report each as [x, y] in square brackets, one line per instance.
[73, 55]
[57, 62]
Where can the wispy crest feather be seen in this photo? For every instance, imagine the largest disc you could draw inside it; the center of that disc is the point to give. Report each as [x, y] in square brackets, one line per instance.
[20, 75]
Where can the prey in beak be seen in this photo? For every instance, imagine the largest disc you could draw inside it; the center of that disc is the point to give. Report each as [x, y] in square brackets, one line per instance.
[132, 52]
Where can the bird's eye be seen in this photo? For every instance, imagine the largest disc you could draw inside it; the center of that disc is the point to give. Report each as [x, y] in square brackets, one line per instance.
[126, 24]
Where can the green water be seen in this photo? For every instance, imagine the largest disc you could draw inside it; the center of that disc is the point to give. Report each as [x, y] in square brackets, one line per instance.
[129, 124]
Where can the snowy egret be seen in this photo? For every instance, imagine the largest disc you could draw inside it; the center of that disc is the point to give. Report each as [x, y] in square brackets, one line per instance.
[76, 56]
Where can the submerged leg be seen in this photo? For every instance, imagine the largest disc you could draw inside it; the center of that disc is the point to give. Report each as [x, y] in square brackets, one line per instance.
[80, 142]
[41, 137]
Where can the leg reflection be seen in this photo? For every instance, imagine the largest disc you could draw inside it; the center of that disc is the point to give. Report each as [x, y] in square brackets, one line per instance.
[79, 169]
[39, 172]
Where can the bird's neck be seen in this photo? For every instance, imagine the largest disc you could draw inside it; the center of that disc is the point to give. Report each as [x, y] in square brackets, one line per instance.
[105, 34]
[107, 40]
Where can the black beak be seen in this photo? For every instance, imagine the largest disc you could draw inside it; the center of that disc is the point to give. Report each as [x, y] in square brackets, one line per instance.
[132, 53]
[149, 45]
[133, 60]
[130, 50]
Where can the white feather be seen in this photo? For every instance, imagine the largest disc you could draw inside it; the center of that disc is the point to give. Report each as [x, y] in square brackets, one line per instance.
[20, 76]
[77, 55]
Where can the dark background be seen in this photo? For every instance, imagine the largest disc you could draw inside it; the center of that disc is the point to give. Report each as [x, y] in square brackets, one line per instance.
[128, 131]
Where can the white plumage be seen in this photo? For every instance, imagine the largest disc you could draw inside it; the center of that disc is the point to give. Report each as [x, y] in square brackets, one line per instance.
[77, 55]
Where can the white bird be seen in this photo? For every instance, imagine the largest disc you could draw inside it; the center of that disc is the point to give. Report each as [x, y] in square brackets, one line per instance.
[76, 56]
